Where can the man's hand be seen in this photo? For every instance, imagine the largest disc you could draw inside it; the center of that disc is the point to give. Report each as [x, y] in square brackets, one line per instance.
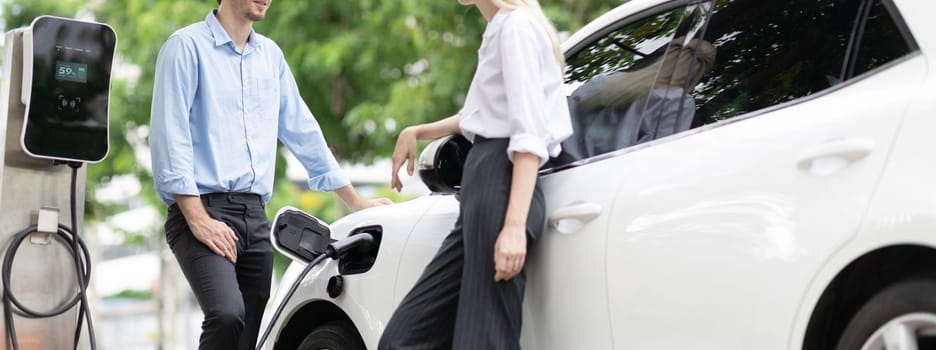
[403, 152]
[217, 235]
[367, 203]
[509, 252]
[355, 202]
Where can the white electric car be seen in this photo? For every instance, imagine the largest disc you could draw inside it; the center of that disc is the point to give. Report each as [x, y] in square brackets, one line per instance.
[744, 174]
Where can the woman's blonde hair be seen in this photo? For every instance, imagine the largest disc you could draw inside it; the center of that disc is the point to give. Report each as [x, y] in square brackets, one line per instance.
[537, 11]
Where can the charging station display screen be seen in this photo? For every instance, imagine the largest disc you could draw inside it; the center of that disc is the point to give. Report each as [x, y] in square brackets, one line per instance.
[70, 71]
[67, 114]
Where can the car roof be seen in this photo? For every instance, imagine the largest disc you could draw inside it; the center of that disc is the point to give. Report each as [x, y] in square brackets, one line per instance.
[609, 18]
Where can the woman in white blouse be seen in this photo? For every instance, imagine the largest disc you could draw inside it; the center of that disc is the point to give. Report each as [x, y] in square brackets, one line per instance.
[516, 115]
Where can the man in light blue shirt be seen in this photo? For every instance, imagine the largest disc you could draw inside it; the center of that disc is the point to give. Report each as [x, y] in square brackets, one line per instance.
[223, 95]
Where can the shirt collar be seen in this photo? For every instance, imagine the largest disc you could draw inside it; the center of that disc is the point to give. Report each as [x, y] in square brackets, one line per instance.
[496, 22]
[221, 37]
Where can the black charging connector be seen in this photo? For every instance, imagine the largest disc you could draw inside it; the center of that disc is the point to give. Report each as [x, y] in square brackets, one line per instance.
[82, 260]
[339, 248]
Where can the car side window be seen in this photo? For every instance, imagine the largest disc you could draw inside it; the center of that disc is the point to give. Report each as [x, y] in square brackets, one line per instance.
[770, 52]
[715, 60]
[613, 76]
[879, 39]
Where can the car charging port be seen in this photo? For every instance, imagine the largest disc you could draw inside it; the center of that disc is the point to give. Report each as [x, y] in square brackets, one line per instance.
[361, 258]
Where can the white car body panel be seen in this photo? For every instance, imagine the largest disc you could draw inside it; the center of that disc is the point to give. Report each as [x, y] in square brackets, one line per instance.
[571, 266]
[362, 291]
[918, 16]
[423, 243]
[724, 231]
[661, 267]
[903, 209]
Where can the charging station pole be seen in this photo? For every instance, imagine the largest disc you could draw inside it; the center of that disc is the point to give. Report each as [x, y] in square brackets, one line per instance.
[43, 273]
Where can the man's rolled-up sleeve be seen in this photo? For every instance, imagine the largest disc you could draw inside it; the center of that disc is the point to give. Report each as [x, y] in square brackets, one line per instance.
[303, 136]
[170, 137]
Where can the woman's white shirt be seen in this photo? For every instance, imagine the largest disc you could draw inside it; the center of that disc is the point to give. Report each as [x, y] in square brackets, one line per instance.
[517, 89]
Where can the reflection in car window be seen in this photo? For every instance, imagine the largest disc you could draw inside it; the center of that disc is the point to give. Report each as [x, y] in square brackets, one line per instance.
[770, 52]
[715, 60]
[615, 75]
[669, 108]
[880, 40]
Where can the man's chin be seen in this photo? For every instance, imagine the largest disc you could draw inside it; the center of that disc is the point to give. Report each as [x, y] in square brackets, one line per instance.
[256, 17]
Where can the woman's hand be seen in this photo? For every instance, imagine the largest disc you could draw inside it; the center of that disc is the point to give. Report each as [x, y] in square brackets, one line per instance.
[403, 152]
[405, 149]
[510, 248]
[509, 252]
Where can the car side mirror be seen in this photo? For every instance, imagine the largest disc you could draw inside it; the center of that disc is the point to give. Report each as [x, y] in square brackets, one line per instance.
[442, 162]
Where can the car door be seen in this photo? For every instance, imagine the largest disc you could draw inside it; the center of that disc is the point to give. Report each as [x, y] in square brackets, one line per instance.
[567, 299]
[715, 233]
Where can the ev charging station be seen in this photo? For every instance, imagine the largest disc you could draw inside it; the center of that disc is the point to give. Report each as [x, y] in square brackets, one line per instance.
[54, 101]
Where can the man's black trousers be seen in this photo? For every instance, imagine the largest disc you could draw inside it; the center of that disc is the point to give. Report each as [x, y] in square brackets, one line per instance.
[232, 296]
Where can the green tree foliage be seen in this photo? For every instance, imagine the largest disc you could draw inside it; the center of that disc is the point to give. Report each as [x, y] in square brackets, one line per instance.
[370, 67]
[366, 68]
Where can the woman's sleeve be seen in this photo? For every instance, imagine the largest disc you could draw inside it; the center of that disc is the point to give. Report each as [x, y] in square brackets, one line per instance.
[521, 51]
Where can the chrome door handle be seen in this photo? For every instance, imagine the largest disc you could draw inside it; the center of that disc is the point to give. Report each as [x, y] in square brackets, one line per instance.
[833, 156]
[571, 218]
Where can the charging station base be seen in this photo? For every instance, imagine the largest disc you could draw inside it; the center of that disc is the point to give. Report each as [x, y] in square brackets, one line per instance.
[43, 274]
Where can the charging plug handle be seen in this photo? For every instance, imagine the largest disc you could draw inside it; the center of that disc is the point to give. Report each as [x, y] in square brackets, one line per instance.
[339, 248]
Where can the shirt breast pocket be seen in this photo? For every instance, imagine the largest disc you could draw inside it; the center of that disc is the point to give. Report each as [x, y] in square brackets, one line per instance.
[267, 98]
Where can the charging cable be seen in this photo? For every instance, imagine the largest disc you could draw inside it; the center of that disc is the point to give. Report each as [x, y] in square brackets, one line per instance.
[335, 250]
[82, 260]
